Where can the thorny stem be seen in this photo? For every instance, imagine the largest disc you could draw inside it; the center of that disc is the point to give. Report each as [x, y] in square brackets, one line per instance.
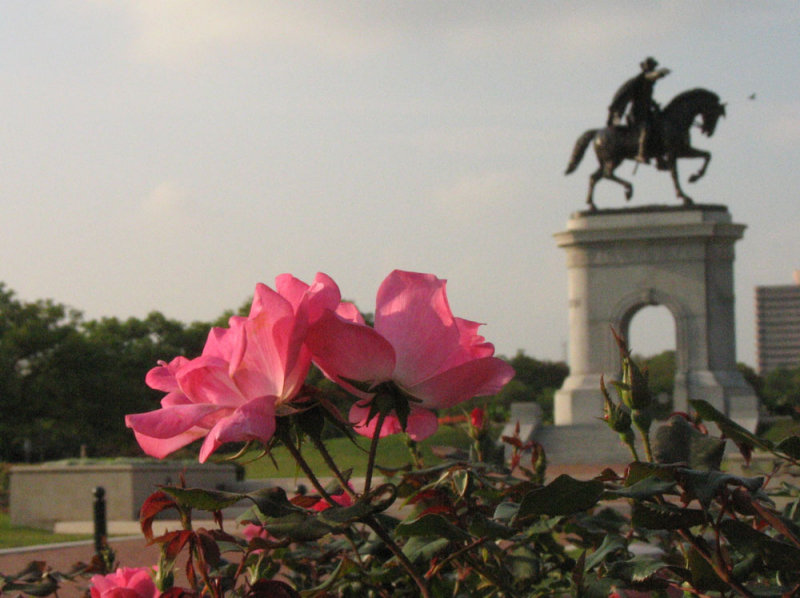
[375, 526]
[373, 449]
[438, 567]
[326, 456]
[648, 450]
[721, 571]
[298, 457]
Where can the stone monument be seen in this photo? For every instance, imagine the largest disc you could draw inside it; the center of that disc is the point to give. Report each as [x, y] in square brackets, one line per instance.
[620, 261]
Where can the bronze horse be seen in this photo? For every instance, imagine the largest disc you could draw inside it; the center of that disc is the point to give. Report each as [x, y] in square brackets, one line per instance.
[668, 141]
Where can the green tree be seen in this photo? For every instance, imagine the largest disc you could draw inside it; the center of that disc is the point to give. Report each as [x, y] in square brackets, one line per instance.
[30, 335]
[781, 391]
[535, 380]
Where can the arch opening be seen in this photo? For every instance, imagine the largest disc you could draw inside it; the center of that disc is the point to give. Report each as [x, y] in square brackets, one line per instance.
[652, 338]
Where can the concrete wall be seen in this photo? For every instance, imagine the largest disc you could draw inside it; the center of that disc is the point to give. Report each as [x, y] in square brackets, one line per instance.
[40, 495]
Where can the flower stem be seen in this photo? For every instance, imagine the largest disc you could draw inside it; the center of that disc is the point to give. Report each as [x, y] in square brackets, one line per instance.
[300, 460]
[375, 526]
[326, 456]
[373, 449]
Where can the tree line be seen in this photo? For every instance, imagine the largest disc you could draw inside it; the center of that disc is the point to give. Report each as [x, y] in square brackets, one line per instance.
[66, 382]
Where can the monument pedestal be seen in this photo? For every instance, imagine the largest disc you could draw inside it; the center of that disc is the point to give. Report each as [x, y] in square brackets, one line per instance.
[618, 262]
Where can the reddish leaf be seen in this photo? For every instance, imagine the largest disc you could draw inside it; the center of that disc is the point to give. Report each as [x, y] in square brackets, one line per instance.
[173, 542]
[153, 505]
[208, 548]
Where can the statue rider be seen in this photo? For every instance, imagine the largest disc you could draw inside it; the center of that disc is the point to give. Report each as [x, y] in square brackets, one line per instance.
[638, 92]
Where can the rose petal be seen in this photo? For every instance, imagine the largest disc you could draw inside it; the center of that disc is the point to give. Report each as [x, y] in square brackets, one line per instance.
[162, 377]
[421, 423]
[162, 447]
[412, 313]
[169, 421]
[206, 380]
[254, 420]
[476, 378]
[342, 349]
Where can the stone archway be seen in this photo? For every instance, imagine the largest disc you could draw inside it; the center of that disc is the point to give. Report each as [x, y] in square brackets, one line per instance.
[619, 261]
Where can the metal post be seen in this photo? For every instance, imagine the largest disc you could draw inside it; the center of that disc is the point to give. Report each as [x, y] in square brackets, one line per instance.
[100, 528]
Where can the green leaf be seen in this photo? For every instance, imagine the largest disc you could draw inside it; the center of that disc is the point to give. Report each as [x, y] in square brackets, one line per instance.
[641, 569]
[704, 577]
[611, 545]
[705, 485]
[272, 502]
[775, 554]
[506, 511]
[345, 567]
[646, 488]
[45, 587]
[424, 548]
[525, 564]
[640, 470]
[431, 525]
[299, 527]
[482, 527]
[650, 515]
[790, 446]
[204, 500]
[678, 441]
[563, 496]
[728, 427]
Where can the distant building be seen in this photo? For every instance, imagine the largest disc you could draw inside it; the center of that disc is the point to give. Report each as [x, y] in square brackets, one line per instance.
[778, 324]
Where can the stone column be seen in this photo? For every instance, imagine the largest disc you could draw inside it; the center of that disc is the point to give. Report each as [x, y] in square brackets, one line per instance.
[619, 261]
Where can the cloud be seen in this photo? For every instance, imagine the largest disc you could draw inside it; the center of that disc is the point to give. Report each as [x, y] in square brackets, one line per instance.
[167, 201]
[183, 32]
[180, 32]
[478, 195]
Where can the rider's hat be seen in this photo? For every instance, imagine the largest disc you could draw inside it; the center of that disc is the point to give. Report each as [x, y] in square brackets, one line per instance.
[648, 64]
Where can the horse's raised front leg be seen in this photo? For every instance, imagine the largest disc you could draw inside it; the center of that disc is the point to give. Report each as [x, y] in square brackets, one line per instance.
[673, 170]
[696, 153]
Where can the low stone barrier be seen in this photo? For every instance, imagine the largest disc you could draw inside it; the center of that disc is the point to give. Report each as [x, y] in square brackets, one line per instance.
[42, 494]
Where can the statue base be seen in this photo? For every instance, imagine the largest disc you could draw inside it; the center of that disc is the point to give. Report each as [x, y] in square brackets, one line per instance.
[620, 261]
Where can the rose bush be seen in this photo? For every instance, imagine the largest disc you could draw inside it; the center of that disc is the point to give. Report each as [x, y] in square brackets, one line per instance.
[671, 524]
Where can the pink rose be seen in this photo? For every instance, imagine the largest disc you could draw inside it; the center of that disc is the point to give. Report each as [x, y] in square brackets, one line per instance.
[124, 583]
[246, 374]
[418, 345]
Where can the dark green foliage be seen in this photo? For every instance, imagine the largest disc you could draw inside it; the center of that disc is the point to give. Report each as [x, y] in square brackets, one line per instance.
[66, 384]
[534, 381]
[781, 391]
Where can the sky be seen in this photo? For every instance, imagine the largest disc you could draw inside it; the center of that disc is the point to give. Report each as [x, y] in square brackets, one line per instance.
[170, 155]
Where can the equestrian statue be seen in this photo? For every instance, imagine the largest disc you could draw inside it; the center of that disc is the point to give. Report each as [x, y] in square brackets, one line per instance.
[648, 132]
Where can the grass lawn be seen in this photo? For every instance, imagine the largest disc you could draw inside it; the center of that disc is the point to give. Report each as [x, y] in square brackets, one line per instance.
[392, 453]
[12, 536]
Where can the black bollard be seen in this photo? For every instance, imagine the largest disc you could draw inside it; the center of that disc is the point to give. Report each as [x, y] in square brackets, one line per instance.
[100, 528]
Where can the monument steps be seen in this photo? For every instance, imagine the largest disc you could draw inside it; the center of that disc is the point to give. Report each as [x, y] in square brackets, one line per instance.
[585, 444]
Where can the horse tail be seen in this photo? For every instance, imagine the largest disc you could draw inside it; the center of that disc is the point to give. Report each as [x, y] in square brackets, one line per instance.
[580, 149]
